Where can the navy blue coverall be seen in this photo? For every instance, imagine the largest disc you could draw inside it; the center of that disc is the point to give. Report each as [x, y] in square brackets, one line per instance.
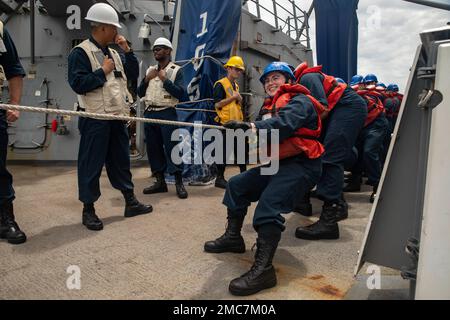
[276, 193]
[339, 133]
[159, 137]
[13, 68]
[102, 142]
[369, 144]
[392, 106]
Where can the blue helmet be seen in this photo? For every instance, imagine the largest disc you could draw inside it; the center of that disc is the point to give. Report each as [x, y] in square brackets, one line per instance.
[339, 80]
[282, 67]
[370, 78]
[356, 79]
[392, 87]
[381, 84]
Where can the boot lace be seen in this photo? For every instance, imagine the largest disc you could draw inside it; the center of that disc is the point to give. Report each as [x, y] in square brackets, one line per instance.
[260, 261]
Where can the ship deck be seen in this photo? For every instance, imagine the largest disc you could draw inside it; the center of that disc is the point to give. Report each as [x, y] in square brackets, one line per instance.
[160, 255]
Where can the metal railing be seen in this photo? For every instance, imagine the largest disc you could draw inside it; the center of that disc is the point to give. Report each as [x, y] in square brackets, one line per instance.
[285, 16]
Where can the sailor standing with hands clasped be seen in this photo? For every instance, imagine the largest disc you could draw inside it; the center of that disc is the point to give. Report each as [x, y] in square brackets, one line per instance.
[161, 89]
[99, 77]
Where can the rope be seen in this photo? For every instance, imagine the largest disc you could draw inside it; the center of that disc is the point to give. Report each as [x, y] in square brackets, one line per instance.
[107, 116]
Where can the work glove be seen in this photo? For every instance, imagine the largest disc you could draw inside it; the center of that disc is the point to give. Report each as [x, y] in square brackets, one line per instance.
[235, 124]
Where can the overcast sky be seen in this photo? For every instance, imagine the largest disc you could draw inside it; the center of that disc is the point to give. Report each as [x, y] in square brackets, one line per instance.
[389, 35]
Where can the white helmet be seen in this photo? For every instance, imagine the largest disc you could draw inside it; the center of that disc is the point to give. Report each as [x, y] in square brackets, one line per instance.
[103, 13]
[162, 42]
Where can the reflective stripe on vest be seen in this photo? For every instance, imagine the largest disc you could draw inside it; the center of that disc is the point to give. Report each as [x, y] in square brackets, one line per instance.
[112, 97]
[233, 110]
[156, 95]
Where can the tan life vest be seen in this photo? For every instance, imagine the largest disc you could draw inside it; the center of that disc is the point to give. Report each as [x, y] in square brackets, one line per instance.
[231, 111]
[2, 51]
[114, 96]
[156, 95]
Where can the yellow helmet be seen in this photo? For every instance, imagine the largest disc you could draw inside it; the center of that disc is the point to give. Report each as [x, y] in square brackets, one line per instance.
[235, 61]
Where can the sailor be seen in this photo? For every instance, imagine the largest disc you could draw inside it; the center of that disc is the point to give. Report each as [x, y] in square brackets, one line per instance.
[162, 89]
[370, 140]
[356, 83]
[99, 77]
[228, 105]
[346, 112]
[10, 70]
[291, 110]
[392, 101]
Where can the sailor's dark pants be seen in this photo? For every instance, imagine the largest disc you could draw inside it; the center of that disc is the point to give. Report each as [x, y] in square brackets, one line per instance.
[159, 141]
[369, 144]
[339, 134]
[102, 143]
[387, 138]
[275, 193]
[6, 179]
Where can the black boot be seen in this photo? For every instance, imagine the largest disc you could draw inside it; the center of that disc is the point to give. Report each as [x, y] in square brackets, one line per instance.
[179, 186]
[159, 186]
[304, 206]
[231, 240]
[374, 194]
[242, 168]
[342, 210]
[325, 228]
[348, 178]
[354, 183]
[220, 180]
[133, 207]
[262, 273]
[9, 229]
[90, 219]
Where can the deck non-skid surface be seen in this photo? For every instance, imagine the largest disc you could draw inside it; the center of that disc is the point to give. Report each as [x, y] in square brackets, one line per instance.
[158, 255]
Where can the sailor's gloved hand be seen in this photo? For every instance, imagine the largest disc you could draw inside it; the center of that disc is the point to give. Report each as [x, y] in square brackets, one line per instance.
[235, 124]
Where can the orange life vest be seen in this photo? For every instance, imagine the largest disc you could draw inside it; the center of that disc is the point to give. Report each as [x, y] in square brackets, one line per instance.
[395, 100]
[374, 105]
[333, 89]
[303, 140]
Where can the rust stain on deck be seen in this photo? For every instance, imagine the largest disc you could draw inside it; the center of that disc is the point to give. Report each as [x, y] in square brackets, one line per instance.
[330, 290]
